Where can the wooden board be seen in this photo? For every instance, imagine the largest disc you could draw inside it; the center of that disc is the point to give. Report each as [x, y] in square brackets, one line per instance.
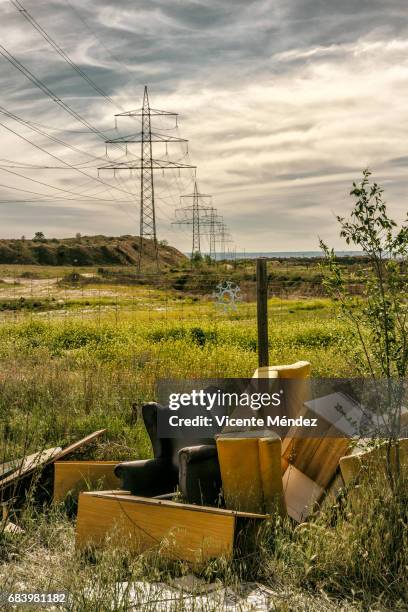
[75, 476]
[8, 467]
[79, 444]
[372, 459]
[179, 531]
[28, 464]
[318, 458]
[301, 493]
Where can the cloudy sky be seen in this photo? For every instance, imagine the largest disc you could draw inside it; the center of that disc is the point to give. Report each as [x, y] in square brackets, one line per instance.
[283, 103]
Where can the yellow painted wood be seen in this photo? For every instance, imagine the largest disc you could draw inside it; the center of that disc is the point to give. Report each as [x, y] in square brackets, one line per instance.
[298, 391]
[270, 451]
[318, 458]
[300, 369]
[178, 531]
[75, 476]
[240, 473]
[374, 459]
[251, 472]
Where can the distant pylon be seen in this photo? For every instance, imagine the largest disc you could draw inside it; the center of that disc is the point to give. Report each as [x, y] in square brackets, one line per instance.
[212, 221]
[191, 215]
[147, 165]
[224, 238]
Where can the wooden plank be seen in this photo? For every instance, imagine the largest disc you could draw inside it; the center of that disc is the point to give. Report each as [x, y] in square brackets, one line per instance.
[75, 476]
[176, 530]
[79, 444]
[319, 457]
[41, 459]
[372, 459]
[8, 467]
[301, 493]
[153, 501]
[27, 465]
[241, 479]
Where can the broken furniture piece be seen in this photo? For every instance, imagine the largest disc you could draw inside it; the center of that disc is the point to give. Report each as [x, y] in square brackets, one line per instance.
[190, 465]
[298, 391]
[301, 494]
[251, 471]
[17, 476]
[360, 461]
[178, 531]
[72, 477]
[6, 525]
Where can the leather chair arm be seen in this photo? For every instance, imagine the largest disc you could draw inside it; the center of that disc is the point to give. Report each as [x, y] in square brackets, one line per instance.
[192, 454]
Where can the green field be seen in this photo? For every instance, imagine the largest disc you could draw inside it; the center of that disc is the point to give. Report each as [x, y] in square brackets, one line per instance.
[93, 358]
[84, 367]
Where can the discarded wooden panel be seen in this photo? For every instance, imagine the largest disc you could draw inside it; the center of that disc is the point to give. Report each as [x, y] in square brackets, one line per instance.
[79, 444]
[240, 474]
[12, 529]
[9, 467]
[75, 476]
[318, 457]
[270, 451]
[178, 531]
[25, 466]
[301, 493]
[351, 465]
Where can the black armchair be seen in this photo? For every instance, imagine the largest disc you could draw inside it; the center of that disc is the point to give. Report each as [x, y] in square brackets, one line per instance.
[192, 465]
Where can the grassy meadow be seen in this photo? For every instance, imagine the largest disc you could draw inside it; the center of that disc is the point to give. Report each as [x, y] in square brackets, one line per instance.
[89, 355]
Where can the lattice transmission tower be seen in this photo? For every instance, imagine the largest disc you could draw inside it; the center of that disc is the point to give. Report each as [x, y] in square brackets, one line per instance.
[194, 215]
[224, 238]
[211, 223]
[147, 165]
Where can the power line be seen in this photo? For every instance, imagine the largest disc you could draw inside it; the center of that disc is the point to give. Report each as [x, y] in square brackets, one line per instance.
[42, 183]
[39, 147]
[24, 12]
[99, 41]
[47, 91]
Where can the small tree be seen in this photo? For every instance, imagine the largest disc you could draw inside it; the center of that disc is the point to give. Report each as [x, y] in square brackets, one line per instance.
[196, 258]
[379, 317]
[39, 237]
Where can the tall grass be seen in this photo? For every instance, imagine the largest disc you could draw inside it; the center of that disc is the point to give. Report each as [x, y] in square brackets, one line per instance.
[63, 377]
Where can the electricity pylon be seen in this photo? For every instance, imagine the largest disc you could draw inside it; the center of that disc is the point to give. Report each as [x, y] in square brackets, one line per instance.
[191, 215]
[147, 166]
[212, 221]
[224, 238]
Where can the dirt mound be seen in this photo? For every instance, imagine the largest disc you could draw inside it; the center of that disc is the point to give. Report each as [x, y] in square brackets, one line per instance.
[85, 251]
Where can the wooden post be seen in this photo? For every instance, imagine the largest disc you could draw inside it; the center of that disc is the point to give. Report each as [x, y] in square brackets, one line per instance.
[262, 311]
